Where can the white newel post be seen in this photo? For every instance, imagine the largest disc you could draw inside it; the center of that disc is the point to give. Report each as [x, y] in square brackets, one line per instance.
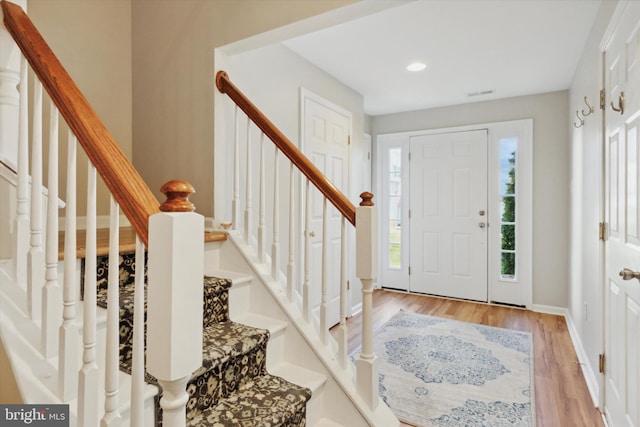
[367, 271]
[175, 298]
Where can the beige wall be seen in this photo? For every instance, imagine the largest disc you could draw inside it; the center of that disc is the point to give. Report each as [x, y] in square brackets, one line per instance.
[551, 163]
[92, 39]
[173, 77]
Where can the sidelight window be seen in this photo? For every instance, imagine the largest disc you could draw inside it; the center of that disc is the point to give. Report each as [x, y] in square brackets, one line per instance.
[508, 200]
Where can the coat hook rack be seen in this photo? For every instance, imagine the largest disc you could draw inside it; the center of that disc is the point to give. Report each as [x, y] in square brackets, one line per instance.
[580, 121]
[584, 114]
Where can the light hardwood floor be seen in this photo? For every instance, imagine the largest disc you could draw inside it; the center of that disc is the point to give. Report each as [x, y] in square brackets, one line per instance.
[561, 395]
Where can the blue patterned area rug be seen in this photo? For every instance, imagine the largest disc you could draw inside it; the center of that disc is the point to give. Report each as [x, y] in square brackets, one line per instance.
[440, 372]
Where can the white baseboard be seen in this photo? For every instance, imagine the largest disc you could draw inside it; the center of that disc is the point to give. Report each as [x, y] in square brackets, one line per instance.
[589, 376]
[550, 309]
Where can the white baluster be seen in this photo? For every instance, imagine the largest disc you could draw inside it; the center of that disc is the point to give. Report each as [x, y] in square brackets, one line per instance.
[247, 210]
[137, 347]
[112, 416]
[35, 259]
[69, 331]
[262, 232]
[9, 97]
[291, 266]
[342, 329]
[275, 245]
[324, 321]
[51, 293]
[88, 381]
[306, 287]
[235, 202]
[21, 227]
[367, 271]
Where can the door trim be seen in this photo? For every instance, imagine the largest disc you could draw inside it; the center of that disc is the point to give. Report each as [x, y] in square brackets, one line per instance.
[496, 130]
[306, 94]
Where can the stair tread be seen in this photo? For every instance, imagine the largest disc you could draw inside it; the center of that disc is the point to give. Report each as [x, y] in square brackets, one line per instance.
[273, 325]
[236, 277]
[265, 401]
[225, 340]
[297, 374]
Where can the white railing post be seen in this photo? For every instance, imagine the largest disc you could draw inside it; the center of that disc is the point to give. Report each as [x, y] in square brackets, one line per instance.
[306, 285]
[343, 337]
[69, 330]
[175, 295]
[88, 376]
[324, 307]
[235, 202]
[262, 232]
[112, 417]
[35, 258]
[367, 271]
[51, 292]
[275, 244]
[248, 195]
[291, 265]
[21, 227]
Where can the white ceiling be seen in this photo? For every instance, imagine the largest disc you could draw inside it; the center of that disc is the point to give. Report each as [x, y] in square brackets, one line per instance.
[513, 47]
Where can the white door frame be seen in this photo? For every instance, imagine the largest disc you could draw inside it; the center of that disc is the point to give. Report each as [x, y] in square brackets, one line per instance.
[497, 130]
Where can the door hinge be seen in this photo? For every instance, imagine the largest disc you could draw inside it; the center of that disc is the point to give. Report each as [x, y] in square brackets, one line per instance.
[409, 270]
[348, 139]
[601, 362]
[348, 284]
[369, 156]
[409, 213]
[602, 230]
[409, 153]
[602, 99]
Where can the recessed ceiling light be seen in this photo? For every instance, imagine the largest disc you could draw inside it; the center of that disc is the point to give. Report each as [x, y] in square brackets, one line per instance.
[416, 66]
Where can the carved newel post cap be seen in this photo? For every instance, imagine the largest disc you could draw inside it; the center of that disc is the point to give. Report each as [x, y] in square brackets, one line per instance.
[177, 193]
[366, 199]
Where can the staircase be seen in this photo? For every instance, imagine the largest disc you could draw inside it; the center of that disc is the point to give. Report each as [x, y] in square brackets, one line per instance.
[243, 347]
[233, 386]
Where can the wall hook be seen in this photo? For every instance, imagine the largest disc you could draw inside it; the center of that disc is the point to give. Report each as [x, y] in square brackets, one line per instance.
[580, 119]
[589, 111]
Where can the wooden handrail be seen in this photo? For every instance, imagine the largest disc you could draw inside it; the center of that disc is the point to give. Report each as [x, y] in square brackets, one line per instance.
[314, 175]
[123, 181]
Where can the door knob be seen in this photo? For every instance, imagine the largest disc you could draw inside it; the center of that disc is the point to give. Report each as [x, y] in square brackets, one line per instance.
[482, 225]
[312, 234]
[627, 274]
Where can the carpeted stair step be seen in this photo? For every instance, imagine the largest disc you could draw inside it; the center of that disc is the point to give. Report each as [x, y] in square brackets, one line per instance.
[266, 401]
[233, 371]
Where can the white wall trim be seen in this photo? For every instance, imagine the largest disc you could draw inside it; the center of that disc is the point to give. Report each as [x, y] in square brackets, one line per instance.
[590, 377]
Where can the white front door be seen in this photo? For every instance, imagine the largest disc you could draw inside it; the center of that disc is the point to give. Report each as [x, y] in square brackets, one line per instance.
[448, 243]
[622, 299]
[326, 130]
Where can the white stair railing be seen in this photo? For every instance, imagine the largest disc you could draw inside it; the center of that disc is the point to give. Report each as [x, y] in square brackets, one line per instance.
[286, 212]
[89, 385]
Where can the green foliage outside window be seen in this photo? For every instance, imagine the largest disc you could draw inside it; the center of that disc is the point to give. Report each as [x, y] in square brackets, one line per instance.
[508, 230]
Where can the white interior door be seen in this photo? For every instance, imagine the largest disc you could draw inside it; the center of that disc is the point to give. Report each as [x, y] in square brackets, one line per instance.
[622, 310]
[326, 130]
[448, 243]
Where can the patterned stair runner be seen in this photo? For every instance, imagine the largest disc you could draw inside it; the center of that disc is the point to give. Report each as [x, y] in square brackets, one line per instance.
[232, 387]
